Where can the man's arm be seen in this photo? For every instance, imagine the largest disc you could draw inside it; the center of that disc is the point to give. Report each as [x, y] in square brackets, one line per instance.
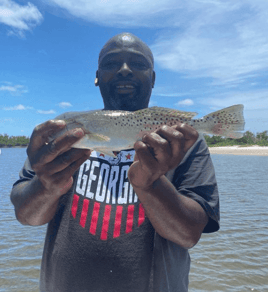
[54, 164]
[174, 216]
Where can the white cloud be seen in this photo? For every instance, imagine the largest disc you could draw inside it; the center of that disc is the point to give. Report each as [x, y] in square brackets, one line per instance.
[18, 17]
[185, 102]
[224, 40]
[64, 104]
[152, 103]
[170, 91]
[49, 112]
[8, 88]
[252, 100]
[18, 107]
[121, 13]
[13, 89]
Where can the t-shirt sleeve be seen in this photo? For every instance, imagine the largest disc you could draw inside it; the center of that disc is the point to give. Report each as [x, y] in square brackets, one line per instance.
[26, 173]
[195, 178]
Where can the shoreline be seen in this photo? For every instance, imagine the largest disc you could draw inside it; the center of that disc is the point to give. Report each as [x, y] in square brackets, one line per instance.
[238, 150]
[4, 147]
[230, 150]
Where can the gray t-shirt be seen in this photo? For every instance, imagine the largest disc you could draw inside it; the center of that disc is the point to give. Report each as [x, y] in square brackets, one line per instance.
[100, 238]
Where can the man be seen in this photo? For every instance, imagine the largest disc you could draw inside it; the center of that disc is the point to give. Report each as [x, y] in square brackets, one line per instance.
[115, 225]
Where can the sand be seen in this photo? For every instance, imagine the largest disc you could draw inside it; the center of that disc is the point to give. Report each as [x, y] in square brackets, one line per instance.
[238, 150]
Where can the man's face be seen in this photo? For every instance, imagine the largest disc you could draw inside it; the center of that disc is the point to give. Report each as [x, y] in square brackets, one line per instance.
[125, 75]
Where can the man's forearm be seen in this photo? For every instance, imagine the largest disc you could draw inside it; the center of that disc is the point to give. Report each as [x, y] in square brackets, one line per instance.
[33, 205]
[174, 216]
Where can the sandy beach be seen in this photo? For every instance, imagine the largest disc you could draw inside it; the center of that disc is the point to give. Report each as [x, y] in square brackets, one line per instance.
[238, 150]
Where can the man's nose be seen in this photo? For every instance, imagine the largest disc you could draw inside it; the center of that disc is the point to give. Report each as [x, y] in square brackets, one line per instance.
[124, 70]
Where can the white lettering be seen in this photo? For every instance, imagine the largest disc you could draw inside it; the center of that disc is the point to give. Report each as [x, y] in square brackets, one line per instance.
[92, 177]
[122, 195]
[82, 178]
[135, 198]
[102, 181]
[112, 184]
[130, 195]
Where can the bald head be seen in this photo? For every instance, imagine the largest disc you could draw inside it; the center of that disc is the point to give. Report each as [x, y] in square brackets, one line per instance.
[128, 41]
[125, 73]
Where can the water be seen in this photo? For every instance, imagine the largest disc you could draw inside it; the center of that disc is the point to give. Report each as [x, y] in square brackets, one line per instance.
[235, 259]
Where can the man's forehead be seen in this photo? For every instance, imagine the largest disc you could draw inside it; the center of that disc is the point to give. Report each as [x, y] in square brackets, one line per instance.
[126, 42]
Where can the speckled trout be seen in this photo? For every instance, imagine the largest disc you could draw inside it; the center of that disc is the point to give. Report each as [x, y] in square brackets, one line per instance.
[107, 131]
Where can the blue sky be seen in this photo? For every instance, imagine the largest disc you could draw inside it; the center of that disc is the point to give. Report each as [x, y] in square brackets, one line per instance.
[209, 54]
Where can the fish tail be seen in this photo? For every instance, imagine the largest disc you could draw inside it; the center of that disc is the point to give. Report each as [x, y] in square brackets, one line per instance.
[228, 122]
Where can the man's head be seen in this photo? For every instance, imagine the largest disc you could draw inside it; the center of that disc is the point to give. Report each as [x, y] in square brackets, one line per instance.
[125, 73]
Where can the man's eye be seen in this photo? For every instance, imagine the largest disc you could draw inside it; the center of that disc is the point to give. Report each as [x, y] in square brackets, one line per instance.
[110, 65]
[138, 65]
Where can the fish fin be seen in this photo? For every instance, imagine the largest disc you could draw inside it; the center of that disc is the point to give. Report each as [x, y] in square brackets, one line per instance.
[155, 110]
[105, 151]
[97, 137]
[85, 142]
[228, 122]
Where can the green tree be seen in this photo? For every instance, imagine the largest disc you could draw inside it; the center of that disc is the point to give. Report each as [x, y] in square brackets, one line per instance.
[11, 141]
[262, 136]
[248, 138]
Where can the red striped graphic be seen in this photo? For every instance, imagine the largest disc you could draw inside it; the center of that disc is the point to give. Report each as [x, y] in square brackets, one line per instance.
[141, 215]
[84, 213]
[105, 222]
[117, 223]
[94, 218]
[130, 216]
[75, 205]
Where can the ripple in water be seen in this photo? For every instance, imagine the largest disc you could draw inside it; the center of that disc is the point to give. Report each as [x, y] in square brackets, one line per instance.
[234, 259]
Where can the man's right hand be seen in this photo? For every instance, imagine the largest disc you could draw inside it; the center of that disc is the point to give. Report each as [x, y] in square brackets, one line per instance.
[55, 162]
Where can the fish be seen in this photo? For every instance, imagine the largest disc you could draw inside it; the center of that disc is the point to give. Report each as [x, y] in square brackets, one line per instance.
[109, 131]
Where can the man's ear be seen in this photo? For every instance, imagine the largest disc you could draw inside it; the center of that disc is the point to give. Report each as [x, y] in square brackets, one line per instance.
[96, 82]
[153, 79]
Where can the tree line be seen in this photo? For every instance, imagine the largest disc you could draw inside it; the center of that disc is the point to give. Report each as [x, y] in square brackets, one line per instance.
[11, 141]
[248, 138]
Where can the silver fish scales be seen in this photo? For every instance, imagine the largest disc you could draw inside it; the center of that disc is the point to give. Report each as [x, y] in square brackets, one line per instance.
[107, 131]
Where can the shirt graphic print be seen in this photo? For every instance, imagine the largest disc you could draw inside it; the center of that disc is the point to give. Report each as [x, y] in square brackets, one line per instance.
[104, 202]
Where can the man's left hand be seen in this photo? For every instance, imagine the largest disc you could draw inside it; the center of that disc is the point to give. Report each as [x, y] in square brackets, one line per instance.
[159, 152]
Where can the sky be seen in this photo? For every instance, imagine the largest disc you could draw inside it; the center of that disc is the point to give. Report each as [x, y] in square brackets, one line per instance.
[209, 54]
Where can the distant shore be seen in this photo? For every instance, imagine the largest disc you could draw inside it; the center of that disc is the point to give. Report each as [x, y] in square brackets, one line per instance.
[240, 150]
[13, 146]
[233, 150]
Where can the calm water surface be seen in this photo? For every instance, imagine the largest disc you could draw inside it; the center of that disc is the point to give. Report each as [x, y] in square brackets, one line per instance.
[234, 259]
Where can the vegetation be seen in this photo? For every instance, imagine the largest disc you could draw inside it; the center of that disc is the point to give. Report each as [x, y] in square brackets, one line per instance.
[248, 139]
[11, 141]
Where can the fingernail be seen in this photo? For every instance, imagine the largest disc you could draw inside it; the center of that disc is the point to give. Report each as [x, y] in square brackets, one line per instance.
[78, 132]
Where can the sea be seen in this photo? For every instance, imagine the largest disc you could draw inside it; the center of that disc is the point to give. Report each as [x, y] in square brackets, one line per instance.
[234, 259]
